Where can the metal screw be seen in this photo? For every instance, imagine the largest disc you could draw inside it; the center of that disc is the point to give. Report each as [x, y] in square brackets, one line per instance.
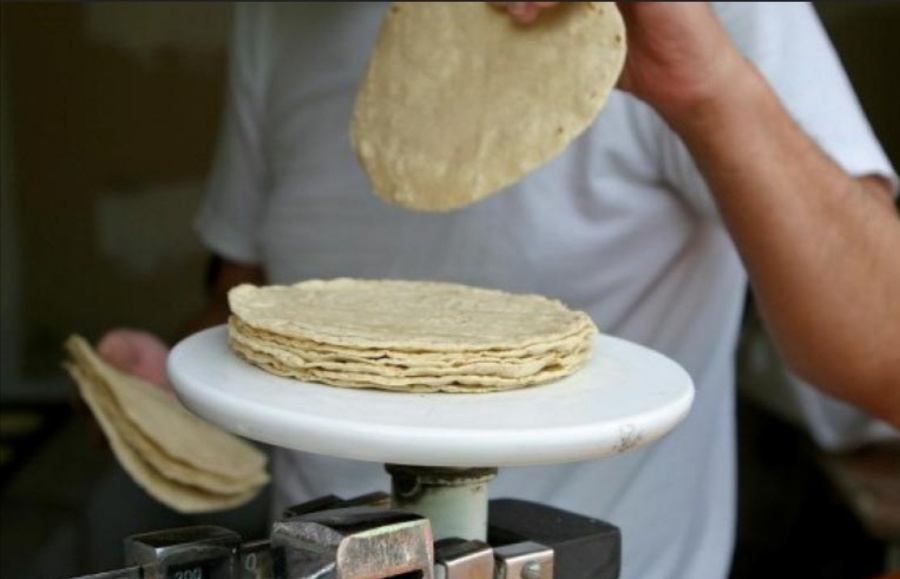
[531, 570]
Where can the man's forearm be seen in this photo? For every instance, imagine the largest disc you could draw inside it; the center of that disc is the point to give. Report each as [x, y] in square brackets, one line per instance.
[822, 249]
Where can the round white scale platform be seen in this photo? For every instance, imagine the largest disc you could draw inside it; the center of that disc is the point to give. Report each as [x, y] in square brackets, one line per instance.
[627, 396]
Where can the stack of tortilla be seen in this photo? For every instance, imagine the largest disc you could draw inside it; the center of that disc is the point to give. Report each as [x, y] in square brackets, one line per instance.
[458, 101]
[408, 336]
[179, 459]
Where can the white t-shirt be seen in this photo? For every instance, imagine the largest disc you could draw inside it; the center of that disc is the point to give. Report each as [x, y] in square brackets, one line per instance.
[620, 225]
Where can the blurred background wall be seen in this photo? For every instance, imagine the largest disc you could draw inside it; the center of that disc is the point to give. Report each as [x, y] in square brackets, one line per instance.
[108, 117]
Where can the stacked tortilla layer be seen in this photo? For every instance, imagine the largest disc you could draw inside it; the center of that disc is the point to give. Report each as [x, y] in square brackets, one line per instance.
[179, 459]
[407, 336]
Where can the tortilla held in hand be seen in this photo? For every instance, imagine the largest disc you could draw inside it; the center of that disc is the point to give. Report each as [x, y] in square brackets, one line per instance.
[179, 459]
[458, 101]
[407, 336]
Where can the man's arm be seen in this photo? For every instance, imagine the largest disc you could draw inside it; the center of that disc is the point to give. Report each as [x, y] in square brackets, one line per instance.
[822, 249]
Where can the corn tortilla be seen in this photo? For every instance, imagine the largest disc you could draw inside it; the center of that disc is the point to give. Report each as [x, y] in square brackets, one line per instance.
[458, 101]
[413, 336]
[178, 496]
[180, 460]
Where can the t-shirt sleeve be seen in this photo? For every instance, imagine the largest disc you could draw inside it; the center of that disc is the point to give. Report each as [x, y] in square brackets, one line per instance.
[790, 47]
[793, 51]
[228, 219]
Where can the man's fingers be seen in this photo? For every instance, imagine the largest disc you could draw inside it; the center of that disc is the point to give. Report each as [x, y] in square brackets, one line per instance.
[528, 13]
[118, 351]
[138, 353]
[524, 12]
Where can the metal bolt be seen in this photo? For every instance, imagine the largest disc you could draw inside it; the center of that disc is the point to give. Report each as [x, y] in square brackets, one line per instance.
[531, 570]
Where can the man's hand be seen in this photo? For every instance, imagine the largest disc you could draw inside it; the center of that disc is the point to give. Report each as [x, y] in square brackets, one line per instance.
[679, 57]
[524, 12]
[138, 353]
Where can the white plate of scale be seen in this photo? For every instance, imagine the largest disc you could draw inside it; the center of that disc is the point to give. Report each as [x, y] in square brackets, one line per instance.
[626, 396]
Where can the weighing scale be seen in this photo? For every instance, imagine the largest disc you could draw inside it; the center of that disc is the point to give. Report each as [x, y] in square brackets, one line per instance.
[441, 451]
